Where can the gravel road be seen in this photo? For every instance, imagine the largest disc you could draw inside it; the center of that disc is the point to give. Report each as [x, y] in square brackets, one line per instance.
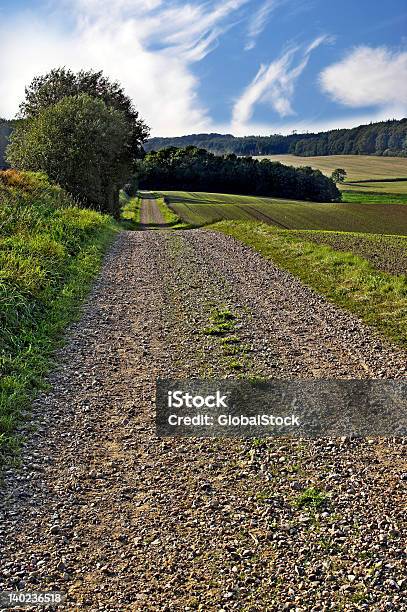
[150, 214]
[119, 519]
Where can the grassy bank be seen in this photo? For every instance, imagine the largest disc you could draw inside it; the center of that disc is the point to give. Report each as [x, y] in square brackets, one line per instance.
[50, 251]
[346, 279]
[131, 209]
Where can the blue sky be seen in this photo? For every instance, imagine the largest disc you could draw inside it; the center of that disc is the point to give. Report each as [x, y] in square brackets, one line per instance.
[238, 66]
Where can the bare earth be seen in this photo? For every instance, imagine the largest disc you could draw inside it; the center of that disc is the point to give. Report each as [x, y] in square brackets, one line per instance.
[119, 519]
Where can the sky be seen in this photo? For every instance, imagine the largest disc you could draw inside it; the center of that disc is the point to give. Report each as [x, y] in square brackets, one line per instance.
[228, 66]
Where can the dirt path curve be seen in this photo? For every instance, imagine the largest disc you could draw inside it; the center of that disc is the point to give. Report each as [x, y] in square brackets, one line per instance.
[120, 520]
[150, 214]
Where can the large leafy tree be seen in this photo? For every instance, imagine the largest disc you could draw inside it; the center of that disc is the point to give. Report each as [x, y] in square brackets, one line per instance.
[81, 143]
[49, 89]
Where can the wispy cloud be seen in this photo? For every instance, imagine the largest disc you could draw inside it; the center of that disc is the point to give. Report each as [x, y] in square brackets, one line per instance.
[368, 77]
[148, 45]
[259, 20]
[274, 84]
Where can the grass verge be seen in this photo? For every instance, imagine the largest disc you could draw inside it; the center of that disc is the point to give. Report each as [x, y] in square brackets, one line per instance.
[350, 281]
[171, 219]
[50, 252]
[131, 208]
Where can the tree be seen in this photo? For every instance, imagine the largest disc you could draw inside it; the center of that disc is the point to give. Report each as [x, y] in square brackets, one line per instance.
[339, 175]
[81, 144]
[47, 90]
[193, 169]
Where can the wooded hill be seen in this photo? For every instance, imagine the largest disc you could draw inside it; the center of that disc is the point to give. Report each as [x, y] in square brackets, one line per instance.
[384, 138]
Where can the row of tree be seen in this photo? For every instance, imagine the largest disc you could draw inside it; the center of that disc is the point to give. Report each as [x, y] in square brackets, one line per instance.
[193, 169]
[83, 131]
[384, 138]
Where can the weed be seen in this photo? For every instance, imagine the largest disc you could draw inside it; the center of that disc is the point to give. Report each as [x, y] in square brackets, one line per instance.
[222, 322]
[311, 498]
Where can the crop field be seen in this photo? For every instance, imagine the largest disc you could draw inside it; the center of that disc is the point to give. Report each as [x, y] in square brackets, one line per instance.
[205, 208]
[370, 197]
[385, 253]
[380, 187]
[358, 167]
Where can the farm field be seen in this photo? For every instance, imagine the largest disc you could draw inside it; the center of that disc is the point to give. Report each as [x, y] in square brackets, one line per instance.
[385, 253]
[371, 197]
[379, 187]
[358, 167]
[205, 208]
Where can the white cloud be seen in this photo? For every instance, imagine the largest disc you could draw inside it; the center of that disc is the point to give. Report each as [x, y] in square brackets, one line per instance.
[274, 84]
[258, 21]
[311, 124]
[368, 77]
[148, 45]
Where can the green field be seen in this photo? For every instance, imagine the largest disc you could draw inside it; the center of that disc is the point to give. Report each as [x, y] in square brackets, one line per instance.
[358, 167]
[205, 208]
[370, 197]
[380, 187]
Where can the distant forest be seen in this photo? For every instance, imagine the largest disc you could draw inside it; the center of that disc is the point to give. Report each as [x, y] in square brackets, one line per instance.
[384, 138]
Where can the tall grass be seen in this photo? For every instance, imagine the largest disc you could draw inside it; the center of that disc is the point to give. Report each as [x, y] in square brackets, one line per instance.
[50, 250]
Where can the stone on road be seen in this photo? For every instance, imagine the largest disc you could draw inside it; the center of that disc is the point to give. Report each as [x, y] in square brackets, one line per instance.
[119, 519]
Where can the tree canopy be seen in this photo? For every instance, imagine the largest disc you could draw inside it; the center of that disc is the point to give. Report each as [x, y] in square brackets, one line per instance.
[48, 89]
[80, 143]
[338, 175]
[83, 131]
[194, 169]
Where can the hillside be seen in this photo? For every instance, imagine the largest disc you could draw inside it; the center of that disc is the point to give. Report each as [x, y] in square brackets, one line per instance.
[384, 138]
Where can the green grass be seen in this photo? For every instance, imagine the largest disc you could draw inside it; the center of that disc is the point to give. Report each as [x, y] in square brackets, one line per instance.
[311, 498]
[358, 167]
[170, 218]
[346, 279]
[50, 252]
[369, 197]
[221, 322]
[368, 190]
[205, 208]
[131, 208]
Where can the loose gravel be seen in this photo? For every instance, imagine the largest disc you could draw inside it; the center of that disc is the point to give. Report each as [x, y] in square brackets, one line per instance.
[119, 519]
[150, 214]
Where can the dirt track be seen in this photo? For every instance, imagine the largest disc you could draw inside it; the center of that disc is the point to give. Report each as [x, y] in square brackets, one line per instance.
[150, 214]
[121, 520]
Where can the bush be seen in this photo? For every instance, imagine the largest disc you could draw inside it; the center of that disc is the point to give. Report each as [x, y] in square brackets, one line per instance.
[82, 145]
